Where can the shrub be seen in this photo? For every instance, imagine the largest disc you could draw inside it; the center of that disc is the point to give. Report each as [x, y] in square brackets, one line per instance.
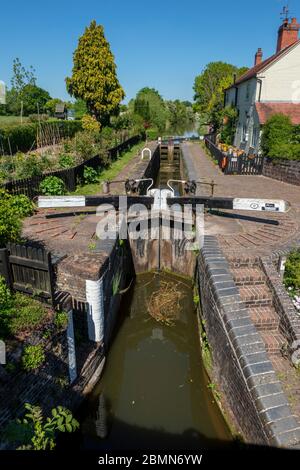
[22, 205]
[277, 131]
[19, 313]
[66, 161]
[90, 175]
[33, 357]
[46, 163]
[18, 138]
[52, 186]
[292, 270]
[152, 134]
[296, 139]
[84, 144]
[61, 320]
[5, 295]
[7, 165]
[23, 137]
[89, 123]
[26, 314]
[229, 115]
[12, 211]
[285, 151]
[38, 117]
[34, 432]
[29, 166]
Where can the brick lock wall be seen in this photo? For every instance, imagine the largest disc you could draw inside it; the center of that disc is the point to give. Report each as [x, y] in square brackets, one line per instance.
[226, 365]
[241, 365]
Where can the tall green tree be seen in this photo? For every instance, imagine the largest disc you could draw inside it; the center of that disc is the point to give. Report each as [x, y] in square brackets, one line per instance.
[33, 98]
[209, 89]
[94, 76]
[151, 107]
[22, 77]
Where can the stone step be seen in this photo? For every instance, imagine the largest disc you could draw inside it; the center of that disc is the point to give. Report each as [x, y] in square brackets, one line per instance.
[274, 342]
[248, 276]
[264, 318]
[258, 296]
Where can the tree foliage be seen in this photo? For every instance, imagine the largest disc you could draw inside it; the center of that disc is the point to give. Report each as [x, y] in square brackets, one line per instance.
[80, 108]
[50, 105]
[21, 76]
[180, 113]
[209, 89]
[278, 130]
[229, 115]
[94, 77]
[292, 270]
[151, 107]
[24, 94]
[12, 210]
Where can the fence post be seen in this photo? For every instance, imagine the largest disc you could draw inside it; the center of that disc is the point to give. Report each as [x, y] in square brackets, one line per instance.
[72, 179]
[52, 278]
[5, 267]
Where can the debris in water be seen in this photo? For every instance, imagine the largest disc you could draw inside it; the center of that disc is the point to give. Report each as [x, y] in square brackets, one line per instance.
[164, 304]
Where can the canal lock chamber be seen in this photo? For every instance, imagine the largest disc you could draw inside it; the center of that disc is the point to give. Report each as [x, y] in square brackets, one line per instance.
[154, 392]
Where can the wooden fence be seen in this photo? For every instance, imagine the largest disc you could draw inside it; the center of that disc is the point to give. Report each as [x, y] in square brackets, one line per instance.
[70, 176]
[28, 269]
[244, 165]
[230, 165]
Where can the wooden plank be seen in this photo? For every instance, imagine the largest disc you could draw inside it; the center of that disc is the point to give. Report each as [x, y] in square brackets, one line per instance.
[31, 263]
[29, 290]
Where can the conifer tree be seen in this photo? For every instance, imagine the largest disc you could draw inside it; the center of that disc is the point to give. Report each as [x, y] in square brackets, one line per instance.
[94, 77]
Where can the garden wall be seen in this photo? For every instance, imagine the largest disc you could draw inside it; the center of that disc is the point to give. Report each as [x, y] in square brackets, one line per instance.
[287, 171]
[241, 364]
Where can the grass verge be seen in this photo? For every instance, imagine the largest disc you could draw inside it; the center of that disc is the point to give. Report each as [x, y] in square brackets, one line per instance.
[110, 173]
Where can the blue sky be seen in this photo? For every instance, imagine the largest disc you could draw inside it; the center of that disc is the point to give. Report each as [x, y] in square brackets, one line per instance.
[162, 44]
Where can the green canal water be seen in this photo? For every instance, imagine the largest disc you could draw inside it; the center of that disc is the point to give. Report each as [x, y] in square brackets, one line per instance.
[154, 391]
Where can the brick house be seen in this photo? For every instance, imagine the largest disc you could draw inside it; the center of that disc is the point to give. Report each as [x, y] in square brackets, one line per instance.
[272, 86]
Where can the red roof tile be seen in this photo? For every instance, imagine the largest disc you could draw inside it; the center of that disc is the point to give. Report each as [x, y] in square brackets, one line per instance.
[266, 110]
[258, 68]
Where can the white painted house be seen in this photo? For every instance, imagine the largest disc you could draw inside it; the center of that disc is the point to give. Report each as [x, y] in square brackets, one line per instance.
[272, 86]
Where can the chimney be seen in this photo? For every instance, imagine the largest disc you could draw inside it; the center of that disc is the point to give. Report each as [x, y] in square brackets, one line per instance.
[258, 56]
[287, 34]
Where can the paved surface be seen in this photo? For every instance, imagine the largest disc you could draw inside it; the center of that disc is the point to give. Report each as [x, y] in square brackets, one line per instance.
[69, 231]
[133, 170]
[243, 231]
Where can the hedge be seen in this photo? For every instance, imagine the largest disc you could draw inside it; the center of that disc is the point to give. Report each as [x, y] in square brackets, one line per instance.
[23, 138]
[285, 152]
